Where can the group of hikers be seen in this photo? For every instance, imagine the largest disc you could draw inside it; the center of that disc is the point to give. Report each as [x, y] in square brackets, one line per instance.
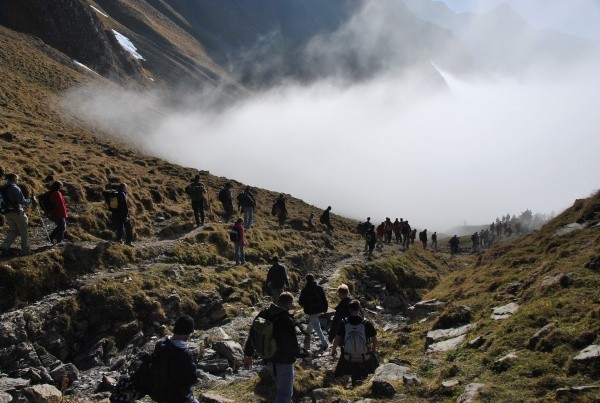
[400, 230]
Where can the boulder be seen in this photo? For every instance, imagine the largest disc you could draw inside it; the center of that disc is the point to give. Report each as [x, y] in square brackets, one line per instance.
[423, 308]
[68, 371]
[571, 393]
[449, 384]
[434, 336]
[590, 353]
[43, 394]
[215, 335]
[543, 332]
[502, 364]
[471, 393]
[476, 342]
[560, 278]
[446, 345]
[504, 311]
[5, 397]
[384, 375]
[13, 383]
[411, 380]
[232, 351]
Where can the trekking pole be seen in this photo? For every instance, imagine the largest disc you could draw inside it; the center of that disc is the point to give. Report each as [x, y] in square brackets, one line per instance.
[43, 223]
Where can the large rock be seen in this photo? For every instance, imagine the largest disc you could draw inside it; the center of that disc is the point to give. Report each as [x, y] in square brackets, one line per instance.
[471, 393]
[543, 332]
[232, 351]
[43, 394]
[5, 397]
[502, 364]
[560, 278]
[384, 375]
[13, 383]
[434, 336]
[590, 353]
[504, 311]
[65, 371]
[423, 308]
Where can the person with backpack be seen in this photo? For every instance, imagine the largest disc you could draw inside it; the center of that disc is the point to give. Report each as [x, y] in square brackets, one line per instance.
[277, 278]
[57, 212]
[406, 230]
[371, 239]
[247, 204]
[454, 242]
[196, 191]
[357, 338]
[423, 238]
[389, 230]
[341, 311]
[280, 210]
[12, 205]
[120, 216]
[237, 235]
[397, 228]
[226, 198]
[314, 302]
[326, 220]
[273, 337]
[434, 241]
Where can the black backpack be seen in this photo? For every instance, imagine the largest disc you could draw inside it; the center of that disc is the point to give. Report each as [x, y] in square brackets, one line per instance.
[222, 196]
[111, 197]
[152, 378]
[5, 206]
[45, 202]
[196, 191]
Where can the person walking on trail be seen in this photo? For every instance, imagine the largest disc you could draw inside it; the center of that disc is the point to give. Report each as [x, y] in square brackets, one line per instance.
[397, 225]
[281, 365]
[279, 210]
[277, 279]
[238, 236]
[371, 239]
[357, 338]
[177, 364]
[14, 214]
[341, 311]
[314, 302]
[475, 241]
[454, 242]
[247, 204]
[197, 191]
[406, 230]
[326, 220]
[389, 230]
[121, 218]
[413, 235]
[434, 241]
[58, 212]
[380, 235]
[226, 198]
[423, 238]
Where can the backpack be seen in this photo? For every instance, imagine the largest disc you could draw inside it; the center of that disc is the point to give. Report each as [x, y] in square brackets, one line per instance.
[45, 203]
[233, 235]
[263, 339]
[222, 196]
[152, 377]
[196, 191]
[355, 342]
[245, 200]
[322, 218]
[5, 206]
[111, 197]
[274, 209]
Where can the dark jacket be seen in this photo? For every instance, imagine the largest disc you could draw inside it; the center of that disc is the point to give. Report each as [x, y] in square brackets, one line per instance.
[277, 277]
[341, 311]
[313, 299]
[122, 211]
[14, 197]
[179, 371]
[285, 337]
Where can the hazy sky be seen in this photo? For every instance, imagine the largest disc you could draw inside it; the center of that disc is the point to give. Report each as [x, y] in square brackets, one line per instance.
[386, 147]
[575, 17]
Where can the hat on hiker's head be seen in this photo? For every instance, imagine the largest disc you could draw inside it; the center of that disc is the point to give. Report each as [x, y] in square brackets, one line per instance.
[184, 325]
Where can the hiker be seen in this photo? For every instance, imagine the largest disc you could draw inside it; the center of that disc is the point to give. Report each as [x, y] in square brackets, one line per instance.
[380, 235]
[312, 223]
[413, 235]
[237, 235]
[226, 198]
[277, 279]
[423, 238]
[14, 214]
[341, 311]
[454, 242]
[281, 364]
[405, 234]
[314, 302]
[178, 371]
[389, 230]
[357, 338]
[247, 204]
[475, 241]
[120, 216]
[434, 241]
[280, 210]
[196, 191]
[326, 220]
[57, 213]
[397, 225]
[371, 238]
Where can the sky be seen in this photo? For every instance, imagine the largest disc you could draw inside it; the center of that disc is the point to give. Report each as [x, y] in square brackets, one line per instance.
[575, 17]
[389, 146]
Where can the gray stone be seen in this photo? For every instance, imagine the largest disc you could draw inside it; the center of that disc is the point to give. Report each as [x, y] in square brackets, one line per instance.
[215, 335]
[5, 397]
[476, 342]
[567, 229]
[470, 393]
[384, 374]
[564, 393]
[214, 398]
[43, 394]
[13, 383]
[232, 351]
[543, 332]
[423, 308]
[590, 353]
[449, 384]
[411, 380]
[560, 278]
[502, 364]
[214, 366]
[444, 334]
[505, 311]
[68, 371]
[446, 345]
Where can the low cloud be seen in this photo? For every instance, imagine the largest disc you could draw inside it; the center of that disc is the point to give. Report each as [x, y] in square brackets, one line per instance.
[388, 146]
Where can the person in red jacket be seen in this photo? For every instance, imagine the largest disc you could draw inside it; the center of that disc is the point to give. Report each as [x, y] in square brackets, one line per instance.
[239, 243]
[58, 213]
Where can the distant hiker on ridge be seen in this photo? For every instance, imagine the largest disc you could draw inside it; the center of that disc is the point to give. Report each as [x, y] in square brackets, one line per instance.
[12, 208]
[413, 235]
[247, 204]
[277, 279]
[326, 220]
[397, 230]
[371, 239]
[406, 234]
[279, 210]
[226, 199]
[434, 241]
[58, 212]
[389, 230]
[454, 242]
[196, 191]
[238, 236]
[423, 238]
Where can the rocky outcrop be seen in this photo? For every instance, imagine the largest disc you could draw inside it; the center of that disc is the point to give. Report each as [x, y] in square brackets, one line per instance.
[504, 311]
[446, 339]
[471, 393]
